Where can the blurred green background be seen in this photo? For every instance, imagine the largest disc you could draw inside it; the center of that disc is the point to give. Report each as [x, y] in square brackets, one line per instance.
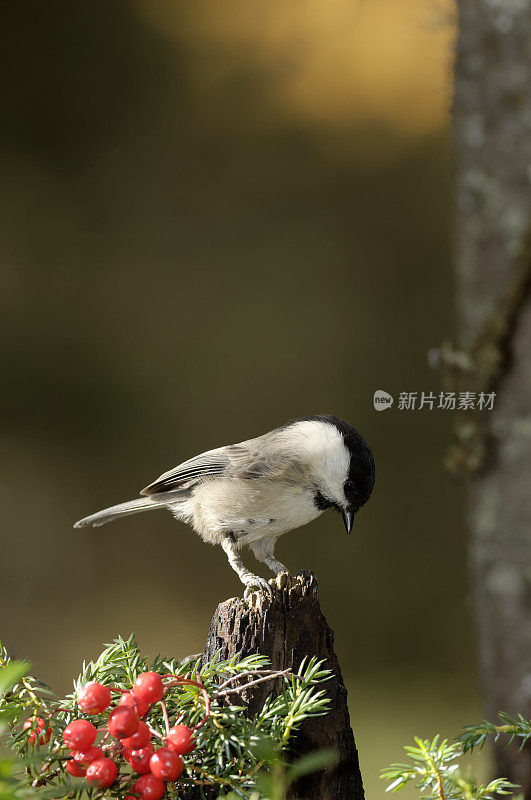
[217, 217]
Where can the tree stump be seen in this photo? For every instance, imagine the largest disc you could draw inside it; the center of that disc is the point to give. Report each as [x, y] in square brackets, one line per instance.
[286, 629]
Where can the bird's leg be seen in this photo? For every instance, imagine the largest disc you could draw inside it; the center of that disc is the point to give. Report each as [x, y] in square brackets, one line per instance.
[247, 578]
[263, 551]
[275, 566]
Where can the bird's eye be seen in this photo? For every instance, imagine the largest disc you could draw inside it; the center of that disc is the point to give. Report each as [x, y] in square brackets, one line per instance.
[348, 487]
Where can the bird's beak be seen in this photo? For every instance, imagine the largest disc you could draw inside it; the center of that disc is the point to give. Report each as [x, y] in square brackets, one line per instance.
[348, 518]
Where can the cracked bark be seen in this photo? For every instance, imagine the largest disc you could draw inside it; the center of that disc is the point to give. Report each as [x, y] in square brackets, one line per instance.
[492, 144]
[286, 629]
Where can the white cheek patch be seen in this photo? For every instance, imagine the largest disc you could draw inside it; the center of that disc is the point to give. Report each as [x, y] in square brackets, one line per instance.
[322, 445]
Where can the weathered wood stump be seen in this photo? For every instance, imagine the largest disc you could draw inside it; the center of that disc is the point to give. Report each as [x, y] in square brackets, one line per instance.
[286, 629]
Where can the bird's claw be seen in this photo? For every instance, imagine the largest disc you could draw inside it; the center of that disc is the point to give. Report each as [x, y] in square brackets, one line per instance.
[255, 583]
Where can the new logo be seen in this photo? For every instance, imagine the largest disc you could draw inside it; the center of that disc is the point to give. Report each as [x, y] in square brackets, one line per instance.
[382, 400]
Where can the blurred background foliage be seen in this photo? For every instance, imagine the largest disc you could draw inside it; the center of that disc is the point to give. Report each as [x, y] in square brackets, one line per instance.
[217, 217]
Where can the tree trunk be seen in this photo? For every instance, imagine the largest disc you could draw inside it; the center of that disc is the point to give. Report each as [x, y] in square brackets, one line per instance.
[287, 629]
[492, 141]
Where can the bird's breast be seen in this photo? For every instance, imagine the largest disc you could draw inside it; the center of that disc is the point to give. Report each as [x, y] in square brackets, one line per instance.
[250, 509]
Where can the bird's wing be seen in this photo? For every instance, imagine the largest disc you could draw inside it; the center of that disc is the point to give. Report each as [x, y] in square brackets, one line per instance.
[244, 461]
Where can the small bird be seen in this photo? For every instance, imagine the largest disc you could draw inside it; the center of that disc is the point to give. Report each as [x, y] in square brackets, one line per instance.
[253, 492]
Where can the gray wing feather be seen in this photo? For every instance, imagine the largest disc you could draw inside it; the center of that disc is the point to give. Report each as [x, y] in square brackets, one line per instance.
[252, 459]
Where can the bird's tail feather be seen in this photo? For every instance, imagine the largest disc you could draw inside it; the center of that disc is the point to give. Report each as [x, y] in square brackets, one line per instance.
[114, 512]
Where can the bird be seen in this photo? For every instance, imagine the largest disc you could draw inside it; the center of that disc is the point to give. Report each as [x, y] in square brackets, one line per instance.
[253, 492]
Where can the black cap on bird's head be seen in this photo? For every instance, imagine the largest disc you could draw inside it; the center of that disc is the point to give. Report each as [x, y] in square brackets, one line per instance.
[360, 478]
[360, 483]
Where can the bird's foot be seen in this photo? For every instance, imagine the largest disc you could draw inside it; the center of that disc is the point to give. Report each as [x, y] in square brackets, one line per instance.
[255, 583]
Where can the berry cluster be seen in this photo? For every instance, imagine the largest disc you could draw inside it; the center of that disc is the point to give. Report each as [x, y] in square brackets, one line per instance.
[127, 736]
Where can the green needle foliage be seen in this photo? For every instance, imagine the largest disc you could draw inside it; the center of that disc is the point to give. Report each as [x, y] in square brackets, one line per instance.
[13, 784]
[434, 767]
[243, 757]
[514, 727]
[434, 770]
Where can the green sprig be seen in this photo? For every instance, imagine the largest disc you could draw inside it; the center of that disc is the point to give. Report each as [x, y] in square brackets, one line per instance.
[513, 727]
[434, 766]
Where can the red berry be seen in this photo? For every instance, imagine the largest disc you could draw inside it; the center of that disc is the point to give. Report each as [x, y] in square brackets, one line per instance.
[75, 769]
[123, 722]
[139, 759]
[141, 738]
[93, 698]
[138, 705]
[166, 764]
[102, 772]
[88, 756]
[148, 686]
[79, 735]
[38, 735]
[180, 740]
[35, 723]
[148, 787]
